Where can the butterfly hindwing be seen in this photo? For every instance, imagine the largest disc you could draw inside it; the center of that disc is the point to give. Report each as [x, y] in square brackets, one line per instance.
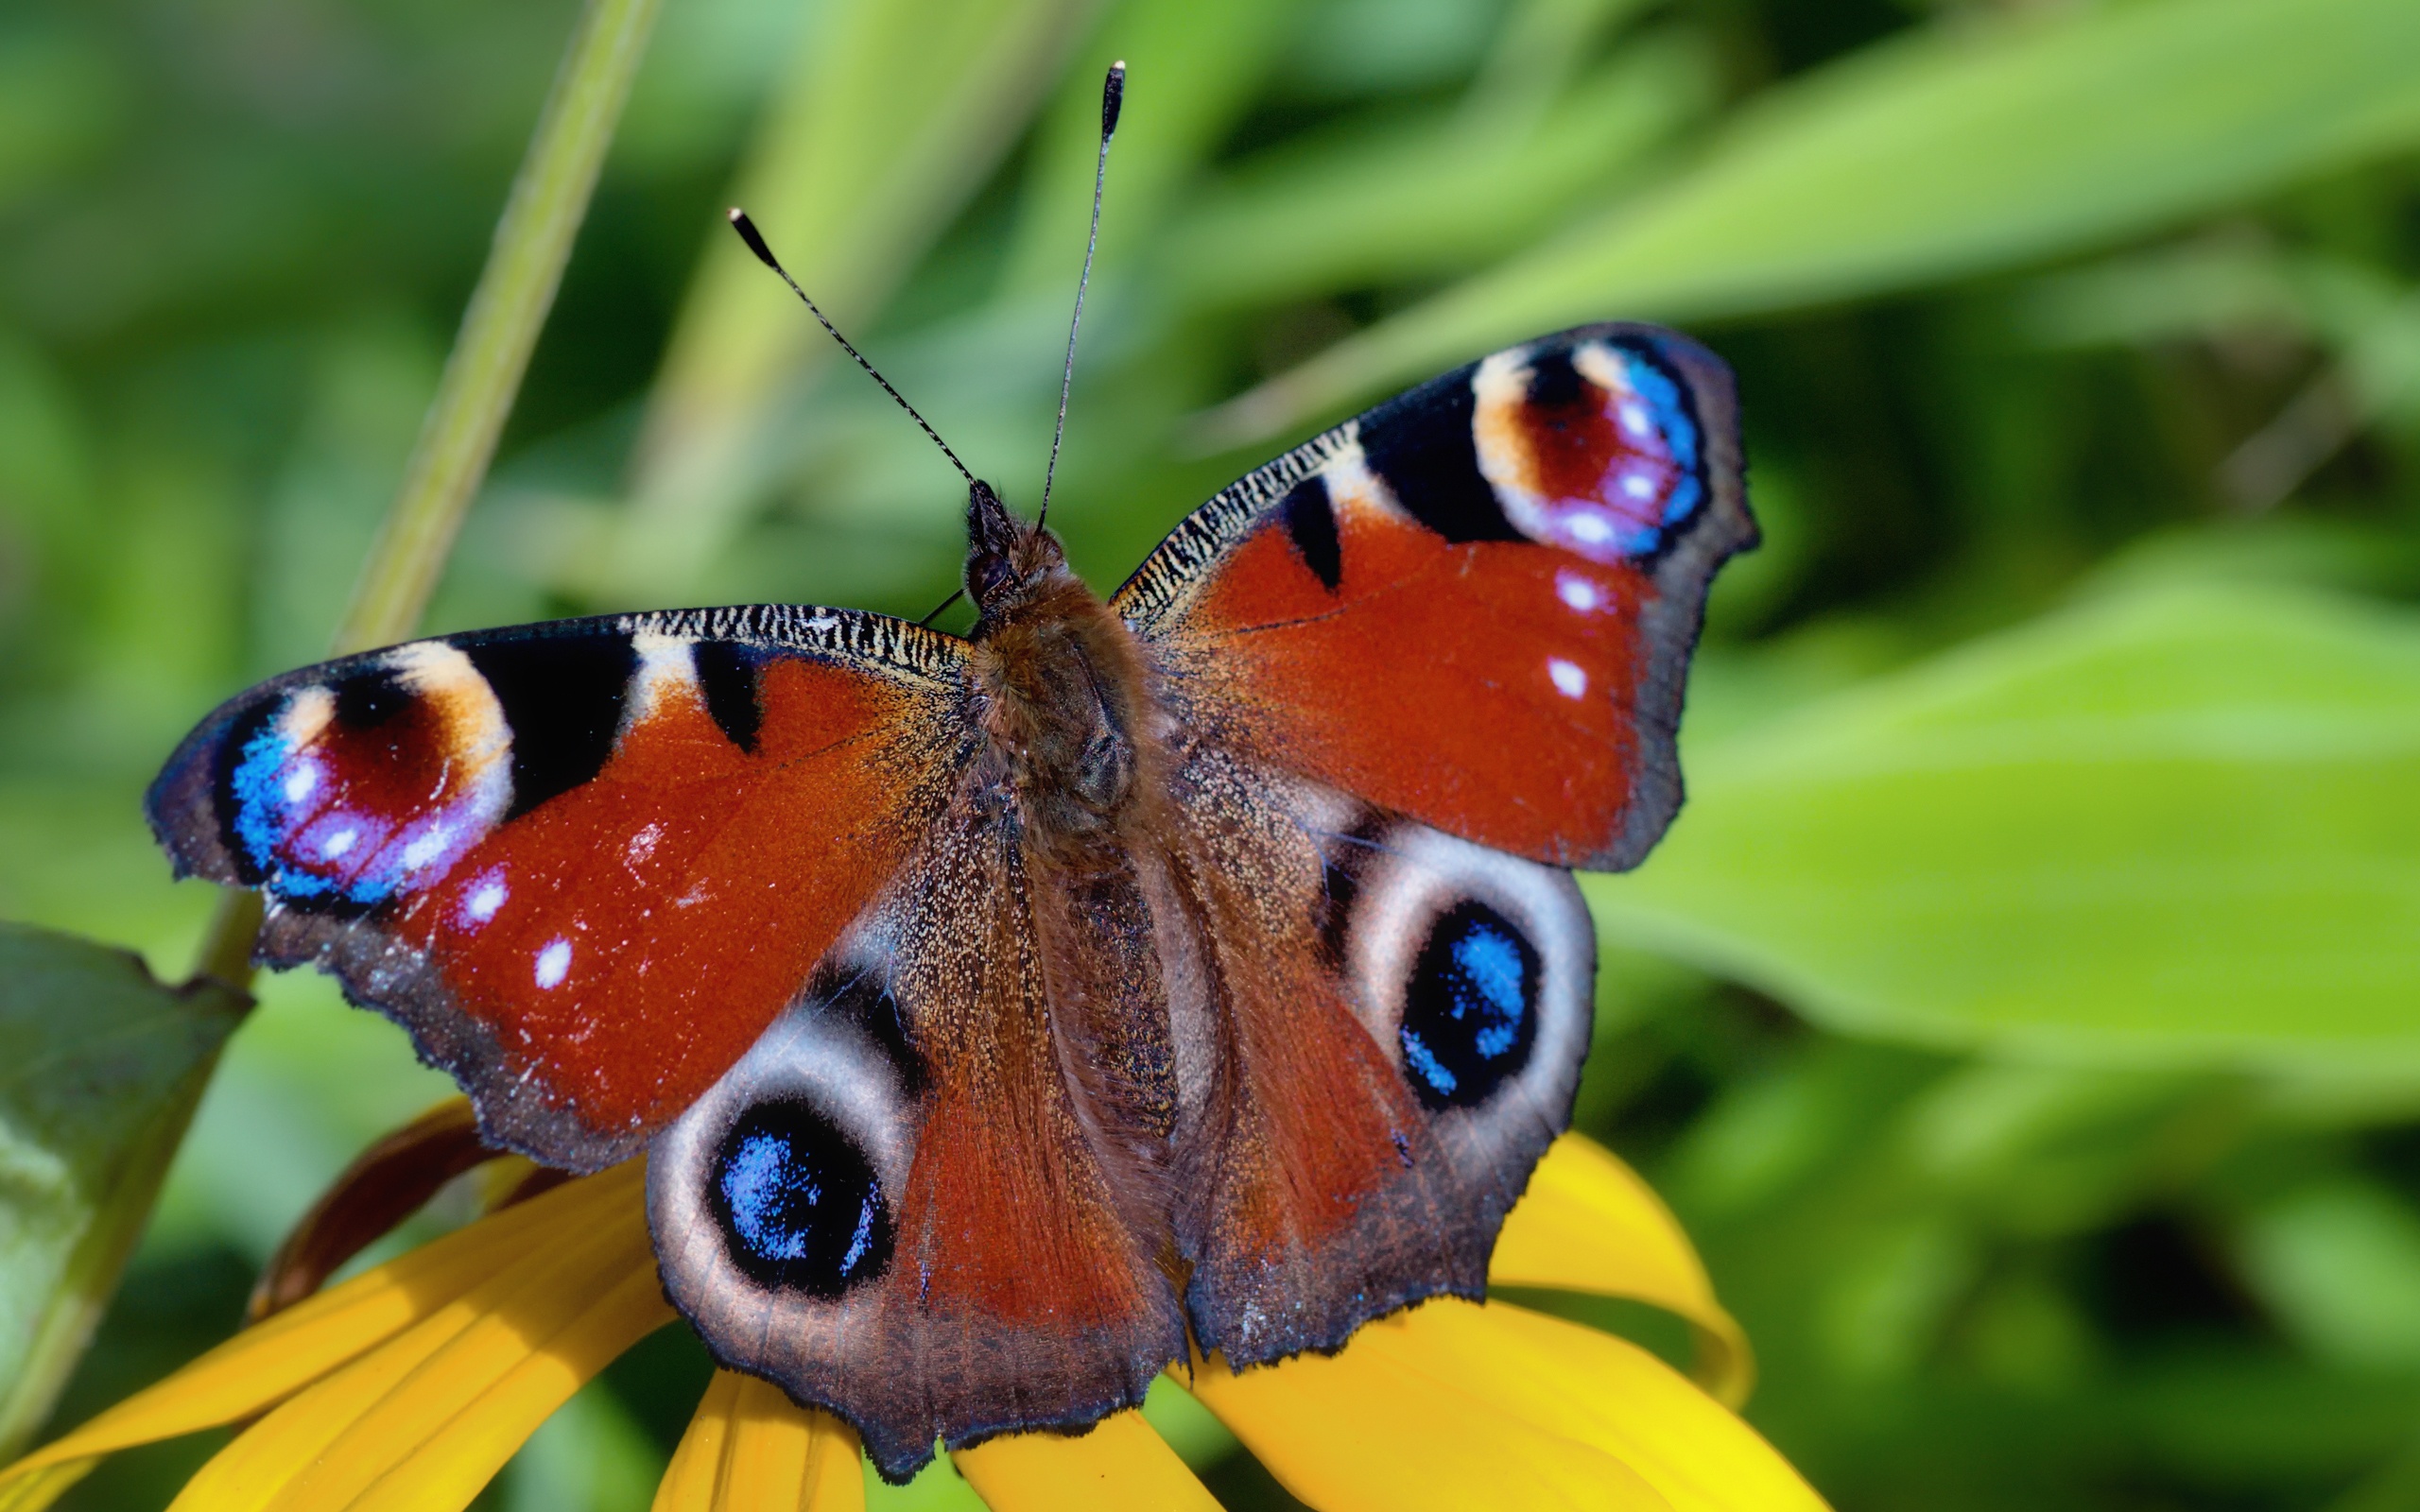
[1475, 604]
[1404, 1017]
[585, 864]
[909, 1202]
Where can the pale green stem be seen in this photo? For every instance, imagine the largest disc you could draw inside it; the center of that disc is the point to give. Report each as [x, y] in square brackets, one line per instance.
[534, 240]
[457, 440]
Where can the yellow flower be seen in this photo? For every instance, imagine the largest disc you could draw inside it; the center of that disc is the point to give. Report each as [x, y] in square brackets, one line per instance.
[411, 1385]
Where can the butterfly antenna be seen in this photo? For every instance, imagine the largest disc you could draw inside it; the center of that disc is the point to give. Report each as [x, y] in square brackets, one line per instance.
[748, 233]
[1113, 97]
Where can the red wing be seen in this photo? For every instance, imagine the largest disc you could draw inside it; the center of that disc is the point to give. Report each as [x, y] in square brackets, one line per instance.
[585, 864]
[1404, 1016]
[897, 1205]
[1473, 605]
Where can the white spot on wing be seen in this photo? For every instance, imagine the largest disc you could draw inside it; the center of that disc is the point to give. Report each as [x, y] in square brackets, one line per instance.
[426, 847]
[300, 782]
[644, 843]
[338, 843]
[1569, 680]
[485, 900]
[554, 963]
[667, 667]
[1350, 484]
[1580, 592]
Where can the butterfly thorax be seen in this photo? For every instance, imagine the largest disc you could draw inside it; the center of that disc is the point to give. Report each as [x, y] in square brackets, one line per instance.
[1066, 711]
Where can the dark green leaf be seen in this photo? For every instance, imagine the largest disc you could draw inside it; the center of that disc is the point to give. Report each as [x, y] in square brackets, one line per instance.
[100, 1067]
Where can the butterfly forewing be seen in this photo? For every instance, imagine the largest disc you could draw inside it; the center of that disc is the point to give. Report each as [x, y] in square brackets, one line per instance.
[585, 864]
[1475, 604]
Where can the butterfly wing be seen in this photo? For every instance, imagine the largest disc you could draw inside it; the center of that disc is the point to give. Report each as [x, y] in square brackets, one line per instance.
[1402, 1015]
[585, 864]
[900, 1205]
[1422, 663]
[1475, 604]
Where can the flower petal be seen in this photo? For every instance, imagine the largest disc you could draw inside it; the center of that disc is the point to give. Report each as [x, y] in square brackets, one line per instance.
[1120, 1464]
[1365, 1429]
[1603, 1391]
[574, 1294]
[1588, 1223]
[38, 1489]
[270, 1361]
[451, 1467]
[749, 1449]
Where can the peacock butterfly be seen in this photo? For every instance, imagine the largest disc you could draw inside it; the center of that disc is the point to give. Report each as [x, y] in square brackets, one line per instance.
[999, 1014]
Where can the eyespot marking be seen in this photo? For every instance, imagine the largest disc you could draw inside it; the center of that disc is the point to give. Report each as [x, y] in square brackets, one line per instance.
[800, 1207]
[1594, 448]
[1470, 1014]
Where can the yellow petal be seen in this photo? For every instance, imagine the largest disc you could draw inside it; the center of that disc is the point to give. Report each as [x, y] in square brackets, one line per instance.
[1121, 1464]
[749, 1448]
[455, 1463]
[38, 1489]
[1364, 1430]
[325, 1445]
[1588, 1223]
[689, 1481]
[267, 1363]
[1603, 1391]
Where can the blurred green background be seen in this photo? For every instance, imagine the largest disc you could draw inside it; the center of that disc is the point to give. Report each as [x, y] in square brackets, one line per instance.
[2025, 1014]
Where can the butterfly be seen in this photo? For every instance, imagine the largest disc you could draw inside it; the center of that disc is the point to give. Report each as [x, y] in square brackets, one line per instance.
[1002, 1017]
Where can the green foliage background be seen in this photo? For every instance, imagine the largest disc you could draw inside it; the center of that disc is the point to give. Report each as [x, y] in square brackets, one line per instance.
[2025, 1014]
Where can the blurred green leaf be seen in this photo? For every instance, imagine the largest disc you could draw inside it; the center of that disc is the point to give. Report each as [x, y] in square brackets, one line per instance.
[588, 1457]
[1191, 71]
[2181, 826]
[61, 99]
[2338, 1263]
[100, 1066]
[896, 111]
[1395, 200]
[1969, 147]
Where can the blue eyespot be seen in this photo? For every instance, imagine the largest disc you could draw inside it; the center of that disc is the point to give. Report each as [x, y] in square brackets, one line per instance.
[1470, 1011]
[1677, 430]
[799, 1206]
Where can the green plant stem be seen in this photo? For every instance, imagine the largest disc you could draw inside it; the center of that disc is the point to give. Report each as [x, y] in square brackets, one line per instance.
[534, 240]
[525, 264]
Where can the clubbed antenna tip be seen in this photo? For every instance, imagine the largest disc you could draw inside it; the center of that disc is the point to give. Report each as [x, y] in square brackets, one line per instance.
[748, 233]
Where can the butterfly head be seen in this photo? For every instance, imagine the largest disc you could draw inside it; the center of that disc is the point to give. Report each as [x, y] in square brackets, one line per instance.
[1009, 563]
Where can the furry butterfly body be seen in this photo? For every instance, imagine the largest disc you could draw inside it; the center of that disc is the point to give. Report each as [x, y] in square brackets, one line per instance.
[996, 1013]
